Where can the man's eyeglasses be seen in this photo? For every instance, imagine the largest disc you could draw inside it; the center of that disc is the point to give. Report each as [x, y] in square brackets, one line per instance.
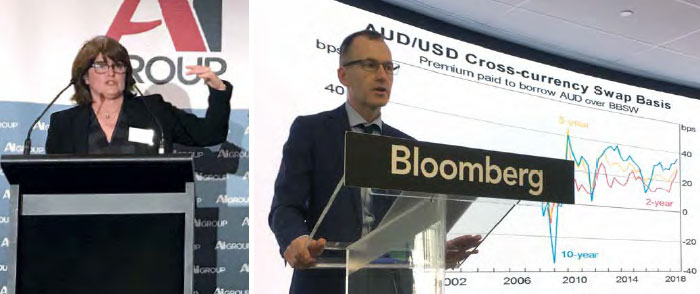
[102, 67]
[373, 65]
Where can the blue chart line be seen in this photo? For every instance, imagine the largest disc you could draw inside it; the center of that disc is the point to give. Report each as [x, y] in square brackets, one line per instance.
[551, 210]
[552, 240]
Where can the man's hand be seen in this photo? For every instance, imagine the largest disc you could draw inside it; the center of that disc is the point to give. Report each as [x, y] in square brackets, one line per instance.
[458, 249]
[302, 252]
[205, 73]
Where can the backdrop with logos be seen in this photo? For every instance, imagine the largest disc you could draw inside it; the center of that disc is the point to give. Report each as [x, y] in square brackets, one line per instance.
[41, 40]
[458, 88]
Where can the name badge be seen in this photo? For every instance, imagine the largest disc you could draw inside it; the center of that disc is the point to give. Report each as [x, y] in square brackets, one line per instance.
[143, 136]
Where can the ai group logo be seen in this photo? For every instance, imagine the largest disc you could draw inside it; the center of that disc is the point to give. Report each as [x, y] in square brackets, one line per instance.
[223, 245]
[12, 147]
[203, 223]
[209, 269]
[8, 124]
[230, 291]
[187, 32]
[180, 20]
[231, 200]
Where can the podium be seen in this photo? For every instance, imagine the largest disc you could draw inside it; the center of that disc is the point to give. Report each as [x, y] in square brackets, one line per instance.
[450, 192]
[100, 224]
[406, 253]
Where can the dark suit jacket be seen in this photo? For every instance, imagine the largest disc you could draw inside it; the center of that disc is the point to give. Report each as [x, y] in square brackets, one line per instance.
[312, 165]
[68, 130]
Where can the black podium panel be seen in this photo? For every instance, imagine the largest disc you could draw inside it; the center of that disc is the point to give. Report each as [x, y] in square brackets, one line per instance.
[100, 224]
[74, 174]
[101, 254]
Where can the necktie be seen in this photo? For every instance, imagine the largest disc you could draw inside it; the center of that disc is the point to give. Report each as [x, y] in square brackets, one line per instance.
[369, 129]
[365, 197]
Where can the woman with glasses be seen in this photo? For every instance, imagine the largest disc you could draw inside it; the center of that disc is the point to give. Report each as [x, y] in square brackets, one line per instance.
[111, 119]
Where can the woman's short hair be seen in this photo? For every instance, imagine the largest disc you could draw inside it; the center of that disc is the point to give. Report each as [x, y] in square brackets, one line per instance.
[109, 48]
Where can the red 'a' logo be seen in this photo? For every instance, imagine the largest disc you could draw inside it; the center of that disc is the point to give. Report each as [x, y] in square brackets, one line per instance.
[178, 17]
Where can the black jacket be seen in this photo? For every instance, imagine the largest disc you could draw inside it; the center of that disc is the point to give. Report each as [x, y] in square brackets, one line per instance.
[312, 165]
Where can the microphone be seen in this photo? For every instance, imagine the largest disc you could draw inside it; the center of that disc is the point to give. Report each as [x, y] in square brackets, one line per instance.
[28, 140]
[161, 144]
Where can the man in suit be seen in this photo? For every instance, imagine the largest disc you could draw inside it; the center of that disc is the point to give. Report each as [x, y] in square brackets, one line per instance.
[312, 165]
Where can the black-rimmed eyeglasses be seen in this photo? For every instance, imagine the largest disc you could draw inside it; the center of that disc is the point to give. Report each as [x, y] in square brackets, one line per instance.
[102, 67]
[372, 65]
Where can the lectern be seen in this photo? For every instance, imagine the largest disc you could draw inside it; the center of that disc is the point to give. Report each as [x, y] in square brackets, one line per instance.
[100, 224]
[438, 192]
